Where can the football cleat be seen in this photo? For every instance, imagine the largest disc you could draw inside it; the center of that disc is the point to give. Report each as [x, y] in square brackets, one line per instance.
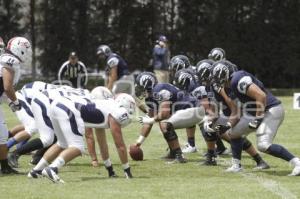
[127, 173]
[111, 172]
[34, 174]
[189, 149]
[236, 166]
[261, 165]
[224, 152]
[51, 174]
[169, 156]
[296, 171]
[13, 160]
[178, 159]
[9, 170]
[210, 160]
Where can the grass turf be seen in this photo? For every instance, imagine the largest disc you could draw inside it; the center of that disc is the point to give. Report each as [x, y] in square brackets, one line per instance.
[153, 178]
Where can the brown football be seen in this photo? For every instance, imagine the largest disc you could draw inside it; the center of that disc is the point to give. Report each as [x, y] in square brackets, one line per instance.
[136, 153]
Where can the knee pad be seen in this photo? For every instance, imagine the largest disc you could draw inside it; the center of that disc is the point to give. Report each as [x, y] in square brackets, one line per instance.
[47, 141]
[170, 135]
[263, 146]
[169, 127]
[210, 137]
[247, 144]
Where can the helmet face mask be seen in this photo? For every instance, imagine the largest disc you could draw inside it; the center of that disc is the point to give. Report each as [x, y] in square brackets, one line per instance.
[144, 84]
[220, 73]
[183, 80]
[203, 71]
[177, 63]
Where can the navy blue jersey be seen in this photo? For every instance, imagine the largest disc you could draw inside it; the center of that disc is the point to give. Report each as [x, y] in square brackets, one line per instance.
[115, 60]
[240, 82]
[221, 102]
[168, 92]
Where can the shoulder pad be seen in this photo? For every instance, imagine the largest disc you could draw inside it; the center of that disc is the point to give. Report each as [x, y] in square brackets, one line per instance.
[112, 62]
[164, 95]
[244, 84]
[121, 116]
[200, 92]
[9, 60]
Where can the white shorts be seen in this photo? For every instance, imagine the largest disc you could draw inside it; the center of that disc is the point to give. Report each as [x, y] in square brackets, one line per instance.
[25, 115]
[186, 118]
[67, 123]
[40, 106]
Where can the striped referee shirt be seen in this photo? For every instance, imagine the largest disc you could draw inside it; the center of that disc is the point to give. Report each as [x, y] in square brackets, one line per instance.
[77, 74]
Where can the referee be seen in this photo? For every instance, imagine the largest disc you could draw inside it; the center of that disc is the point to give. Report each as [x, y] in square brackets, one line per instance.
[73, 72]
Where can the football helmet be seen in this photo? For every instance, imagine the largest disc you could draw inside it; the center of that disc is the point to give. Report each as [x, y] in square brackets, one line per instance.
[144, 82]
[183, 79]
[220, 73]
[126, 101]
[217, 54]
[20, 47]
[101, 93]
[203, 70]
[104, 50]
[179, 62]
[2, 46]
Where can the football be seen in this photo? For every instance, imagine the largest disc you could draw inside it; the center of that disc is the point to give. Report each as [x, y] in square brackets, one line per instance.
[136, 153]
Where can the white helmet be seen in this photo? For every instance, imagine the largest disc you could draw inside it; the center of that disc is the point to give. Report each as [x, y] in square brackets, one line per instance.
[101, 93]
[2, 46]
[126, 101]
[21, 48]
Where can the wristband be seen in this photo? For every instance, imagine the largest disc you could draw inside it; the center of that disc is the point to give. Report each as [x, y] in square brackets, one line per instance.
[141, 139]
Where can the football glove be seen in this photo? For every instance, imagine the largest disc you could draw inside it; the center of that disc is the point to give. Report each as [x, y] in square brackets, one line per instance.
[221, 129]
[15, 106]
[254, 124]
[207, 126]
[146, 120]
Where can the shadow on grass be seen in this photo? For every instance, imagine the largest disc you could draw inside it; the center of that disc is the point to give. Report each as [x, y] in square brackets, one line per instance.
[94, 178]
[275, 173]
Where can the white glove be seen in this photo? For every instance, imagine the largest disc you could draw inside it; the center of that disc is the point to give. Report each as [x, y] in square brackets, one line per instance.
[146, 120]
[207, 125]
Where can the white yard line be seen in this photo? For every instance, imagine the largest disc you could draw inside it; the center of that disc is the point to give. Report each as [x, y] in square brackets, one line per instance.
[271, 185]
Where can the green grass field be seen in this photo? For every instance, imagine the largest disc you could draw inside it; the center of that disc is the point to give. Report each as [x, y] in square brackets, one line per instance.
[153, 178]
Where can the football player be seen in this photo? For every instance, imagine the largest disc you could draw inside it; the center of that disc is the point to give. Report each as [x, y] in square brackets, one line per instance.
[262, 112]
[116, 67]
[169, 106]
[18, 52]
[69, 118]
[216, 100]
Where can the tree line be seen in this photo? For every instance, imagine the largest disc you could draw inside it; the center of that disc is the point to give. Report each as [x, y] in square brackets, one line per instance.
[259, 36]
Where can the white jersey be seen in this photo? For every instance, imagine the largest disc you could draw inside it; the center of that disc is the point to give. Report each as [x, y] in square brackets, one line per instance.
[10, 61]
[104, 108]
[81, 96]
[39, 85]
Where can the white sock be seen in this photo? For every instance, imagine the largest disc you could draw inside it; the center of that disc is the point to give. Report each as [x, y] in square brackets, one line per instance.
[41, 165]
[125, 166]
[58, 162]
[107, 163]
[295, 161]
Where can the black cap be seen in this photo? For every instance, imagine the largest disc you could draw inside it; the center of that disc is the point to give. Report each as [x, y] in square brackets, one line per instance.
[73, 54]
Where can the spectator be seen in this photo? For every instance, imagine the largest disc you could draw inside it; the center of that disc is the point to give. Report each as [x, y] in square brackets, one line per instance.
[73, 72]
[161, 57]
